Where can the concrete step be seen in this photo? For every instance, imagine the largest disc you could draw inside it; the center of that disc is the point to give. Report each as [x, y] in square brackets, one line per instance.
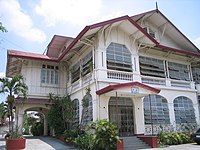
[134, 143]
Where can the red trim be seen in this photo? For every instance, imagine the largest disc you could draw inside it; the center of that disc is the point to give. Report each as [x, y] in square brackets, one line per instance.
[158, 11]
[103, 24]
[27, 55]
[74, 42]
[177, 50]
[123, 85]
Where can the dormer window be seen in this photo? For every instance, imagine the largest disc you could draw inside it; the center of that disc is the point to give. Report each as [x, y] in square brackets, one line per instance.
[150, 31]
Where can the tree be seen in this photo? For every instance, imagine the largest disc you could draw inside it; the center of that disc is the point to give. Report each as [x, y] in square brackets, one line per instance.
[3, 112]
[2, 28]
[61, 113]
[13, 87]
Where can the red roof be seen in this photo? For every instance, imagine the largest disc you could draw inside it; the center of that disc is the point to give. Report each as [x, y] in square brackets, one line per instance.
[28, 55]
[124, 85]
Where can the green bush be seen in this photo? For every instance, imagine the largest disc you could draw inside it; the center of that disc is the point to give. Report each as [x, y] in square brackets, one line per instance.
[100, 135]
[71, 135]
[37, 129]
[174, 138]
[84, 142]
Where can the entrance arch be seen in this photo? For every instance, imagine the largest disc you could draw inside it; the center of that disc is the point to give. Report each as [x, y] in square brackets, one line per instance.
[121, 113]
[41, 106]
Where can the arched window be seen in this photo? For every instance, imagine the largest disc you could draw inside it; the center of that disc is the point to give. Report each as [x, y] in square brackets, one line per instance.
[76, 113]
[159, 110]
[184, 111]
[118, 57]
[87, 112]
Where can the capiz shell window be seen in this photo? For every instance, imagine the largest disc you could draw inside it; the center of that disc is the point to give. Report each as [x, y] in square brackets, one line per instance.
[75, 121]
[75, 72]
[151, 67]
[178, 71]
[49, 74]
[157, 106]
[118, 57]
[87, 64]
[184, 111]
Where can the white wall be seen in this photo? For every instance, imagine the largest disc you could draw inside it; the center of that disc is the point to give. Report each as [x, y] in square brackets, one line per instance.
[31, 70]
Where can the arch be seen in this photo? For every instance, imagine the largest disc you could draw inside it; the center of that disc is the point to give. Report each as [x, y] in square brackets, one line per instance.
[184, 110]
[118, 57]
[75, 122]
[159, 109]
[121, 113]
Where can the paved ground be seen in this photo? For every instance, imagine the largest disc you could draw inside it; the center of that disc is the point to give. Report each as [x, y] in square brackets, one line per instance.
[191, 146]
[41, 143]
[50, 143]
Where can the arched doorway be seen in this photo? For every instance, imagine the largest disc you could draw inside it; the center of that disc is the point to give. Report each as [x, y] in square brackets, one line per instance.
[121, 113]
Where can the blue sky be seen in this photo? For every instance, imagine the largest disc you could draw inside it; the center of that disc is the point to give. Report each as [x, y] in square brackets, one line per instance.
[32, 23]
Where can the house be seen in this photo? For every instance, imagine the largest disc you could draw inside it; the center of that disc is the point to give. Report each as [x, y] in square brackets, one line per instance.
[138, 72]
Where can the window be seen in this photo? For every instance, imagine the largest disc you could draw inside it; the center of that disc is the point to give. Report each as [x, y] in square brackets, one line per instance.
[76, 113]
[184, 111]
[75, 73]
[87, 63]
[118, 58]
[87, 112]
[82, 68]
[49, 74]
[151, 67]
[196, 75]
[159, 110]
[178, 71]
[149, 31]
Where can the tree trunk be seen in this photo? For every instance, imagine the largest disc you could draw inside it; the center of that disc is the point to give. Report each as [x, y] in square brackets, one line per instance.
[11, 114]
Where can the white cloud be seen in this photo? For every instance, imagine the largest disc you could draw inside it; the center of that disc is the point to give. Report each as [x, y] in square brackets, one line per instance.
[77, 12]
[2, 74]
[197, 42]
[19, 22]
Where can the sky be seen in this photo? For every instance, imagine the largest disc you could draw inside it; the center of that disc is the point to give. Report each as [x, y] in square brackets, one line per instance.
[31, 24]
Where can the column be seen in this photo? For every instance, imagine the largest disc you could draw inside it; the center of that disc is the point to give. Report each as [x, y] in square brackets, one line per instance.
[45, 125]
[19, 122]
[139, 116]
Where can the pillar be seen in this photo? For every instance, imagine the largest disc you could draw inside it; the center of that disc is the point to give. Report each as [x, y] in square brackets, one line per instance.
[45, 125]
[139, 116]
[19, 122]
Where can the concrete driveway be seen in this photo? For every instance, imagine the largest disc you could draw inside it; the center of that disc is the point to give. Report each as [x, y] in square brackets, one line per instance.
[192, 146]
[43, 143]
[50, 143]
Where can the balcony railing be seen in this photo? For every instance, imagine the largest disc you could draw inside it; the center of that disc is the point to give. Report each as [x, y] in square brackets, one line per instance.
[119, 75]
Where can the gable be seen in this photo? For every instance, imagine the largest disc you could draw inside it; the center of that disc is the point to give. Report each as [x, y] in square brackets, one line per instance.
[167, 33]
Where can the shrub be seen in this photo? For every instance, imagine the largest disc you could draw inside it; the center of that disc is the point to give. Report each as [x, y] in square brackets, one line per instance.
[100, 135]
[84, 142]
[37, 129]
[174, 138]
[71, 135]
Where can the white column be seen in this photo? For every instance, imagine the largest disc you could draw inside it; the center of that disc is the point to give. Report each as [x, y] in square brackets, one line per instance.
[171, 113]
[19, 122]
[139, 116]
[45, 125]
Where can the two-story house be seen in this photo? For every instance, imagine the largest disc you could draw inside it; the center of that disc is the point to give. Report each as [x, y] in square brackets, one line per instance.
[137, 72]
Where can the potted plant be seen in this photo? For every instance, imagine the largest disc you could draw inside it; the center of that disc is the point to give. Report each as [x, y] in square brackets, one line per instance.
[13, 87]
[15, 140]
